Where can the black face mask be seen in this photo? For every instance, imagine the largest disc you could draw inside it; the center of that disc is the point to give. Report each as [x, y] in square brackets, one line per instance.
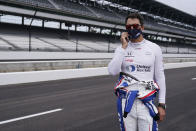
[134, 33]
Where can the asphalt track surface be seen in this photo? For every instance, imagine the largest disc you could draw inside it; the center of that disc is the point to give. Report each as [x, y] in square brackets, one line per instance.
[88, 104]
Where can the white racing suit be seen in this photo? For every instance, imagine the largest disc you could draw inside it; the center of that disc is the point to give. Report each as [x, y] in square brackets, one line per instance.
[144, 61]
[129, 91]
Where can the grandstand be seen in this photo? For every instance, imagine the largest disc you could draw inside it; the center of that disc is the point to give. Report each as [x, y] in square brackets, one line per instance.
[173, 34]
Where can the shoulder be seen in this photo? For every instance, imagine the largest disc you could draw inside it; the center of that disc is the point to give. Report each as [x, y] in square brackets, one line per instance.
[152, 44]
[119, 49]
[155, 47]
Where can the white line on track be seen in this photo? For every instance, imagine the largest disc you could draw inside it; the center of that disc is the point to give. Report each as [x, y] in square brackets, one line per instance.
[193, 78]
[30, 116]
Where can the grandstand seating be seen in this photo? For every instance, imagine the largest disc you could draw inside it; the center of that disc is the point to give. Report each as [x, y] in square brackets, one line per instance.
[105, 14]
[21, 42]
[40, 3]
[43, 40]
[79, 8]
[71, 7]
[98, 12]
[55, 40]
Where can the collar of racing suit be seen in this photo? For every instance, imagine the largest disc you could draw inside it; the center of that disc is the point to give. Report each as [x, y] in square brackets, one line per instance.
[136, 43]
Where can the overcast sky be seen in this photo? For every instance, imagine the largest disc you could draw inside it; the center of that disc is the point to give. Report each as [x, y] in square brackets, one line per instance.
[188, 6]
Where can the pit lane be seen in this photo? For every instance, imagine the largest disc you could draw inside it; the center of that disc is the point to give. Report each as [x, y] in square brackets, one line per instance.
[89, 104]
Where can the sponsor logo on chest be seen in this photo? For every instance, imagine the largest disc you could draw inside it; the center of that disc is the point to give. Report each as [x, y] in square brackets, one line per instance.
[129, 60]
[129, 54]
[138, 68]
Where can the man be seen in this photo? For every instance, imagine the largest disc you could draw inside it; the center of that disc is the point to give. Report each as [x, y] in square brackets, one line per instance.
[143, 60]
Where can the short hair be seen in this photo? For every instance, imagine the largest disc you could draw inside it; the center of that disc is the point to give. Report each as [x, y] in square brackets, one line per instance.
[135, 15]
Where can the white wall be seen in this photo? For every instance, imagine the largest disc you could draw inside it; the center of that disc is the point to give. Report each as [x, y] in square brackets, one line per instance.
[66, 55]
[36, 76]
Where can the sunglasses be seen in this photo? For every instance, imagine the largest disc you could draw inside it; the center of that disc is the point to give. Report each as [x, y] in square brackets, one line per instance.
[135, 26]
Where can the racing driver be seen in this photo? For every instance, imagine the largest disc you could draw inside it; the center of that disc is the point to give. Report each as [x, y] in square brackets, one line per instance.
[142, 59]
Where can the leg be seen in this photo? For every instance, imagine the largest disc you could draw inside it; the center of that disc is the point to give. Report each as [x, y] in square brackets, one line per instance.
[145, 121]
[130, 121]
[120, 114]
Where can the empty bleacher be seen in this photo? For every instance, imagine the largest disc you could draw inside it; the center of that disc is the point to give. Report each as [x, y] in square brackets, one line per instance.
[80, 8]
[76, 7]
[39, 3]
[16, 38]
[51, 40]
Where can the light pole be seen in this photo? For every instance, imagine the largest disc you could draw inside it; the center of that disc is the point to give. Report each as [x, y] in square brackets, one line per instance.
[29, 29]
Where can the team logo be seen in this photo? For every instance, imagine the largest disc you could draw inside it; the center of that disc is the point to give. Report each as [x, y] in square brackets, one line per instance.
[131, 68]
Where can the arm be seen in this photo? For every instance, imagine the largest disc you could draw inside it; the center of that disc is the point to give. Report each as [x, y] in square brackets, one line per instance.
[159, 77]
[114, 67]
